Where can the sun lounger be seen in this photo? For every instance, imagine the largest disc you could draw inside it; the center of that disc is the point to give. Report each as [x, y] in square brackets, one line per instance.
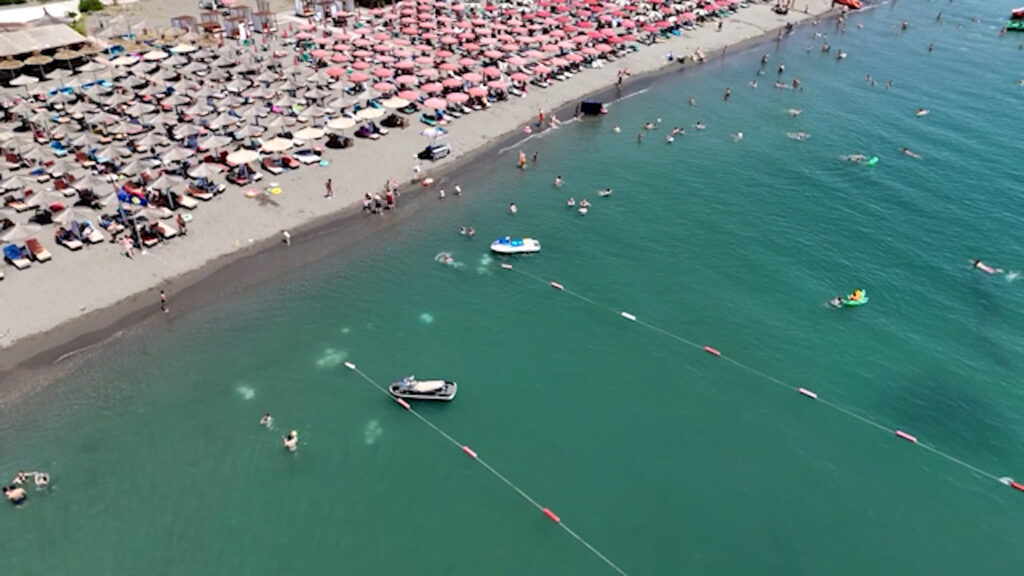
[165, 231]
[186, 202]
[38, 251]
[149, 239]
[197, 193]
[16, 257]
[270, 165]
[92, 234]
[70, 243]
[18, 205]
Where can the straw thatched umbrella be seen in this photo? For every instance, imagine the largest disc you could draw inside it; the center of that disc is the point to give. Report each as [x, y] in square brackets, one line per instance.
[39, 60]
[204, 170]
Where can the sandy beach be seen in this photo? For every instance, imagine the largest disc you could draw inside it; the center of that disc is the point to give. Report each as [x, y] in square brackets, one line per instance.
[80, 298]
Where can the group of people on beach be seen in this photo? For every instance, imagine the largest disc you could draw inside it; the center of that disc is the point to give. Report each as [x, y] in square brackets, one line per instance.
[15, 492]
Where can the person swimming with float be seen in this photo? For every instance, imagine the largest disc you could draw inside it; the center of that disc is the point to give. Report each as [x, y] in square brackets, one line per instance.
[291, 441]
[15, 494]
[856, 295]
[570, 202]
[41, 479]
[985, 267]
[266, 420]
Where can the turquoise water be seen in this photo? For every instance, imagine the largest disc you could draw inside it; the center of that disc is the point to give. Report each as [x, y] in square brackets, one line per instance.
[666, 459]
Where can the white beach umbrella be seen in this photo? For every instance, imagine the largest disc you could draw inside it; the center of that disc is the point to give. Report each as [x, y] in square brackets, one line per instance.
[395, 103]
[341, 123]
[24, 80]
[309, 133]
[183, 49]
[277, 145]
[242, 156]
[369, 113]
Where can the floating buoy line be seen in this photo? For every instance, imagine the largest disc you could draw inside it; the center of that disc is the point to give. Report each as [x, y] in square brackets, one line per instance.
[807, 393]
[476, 458]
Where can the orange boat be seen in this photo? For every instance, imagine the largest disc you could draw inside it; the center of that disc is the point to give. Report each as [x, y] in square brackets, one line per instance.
[855, 4]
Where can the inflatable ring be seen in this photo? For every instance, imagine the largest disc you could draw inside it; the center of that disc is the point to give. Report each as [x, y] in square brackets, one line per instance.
[250, 193]
[275, 190]
[323, 163]
[428, 181]
[186, 217]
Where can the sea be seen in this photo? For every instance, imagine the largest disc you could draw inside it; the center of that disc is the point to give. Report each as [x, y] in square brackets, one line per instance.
[656, 456]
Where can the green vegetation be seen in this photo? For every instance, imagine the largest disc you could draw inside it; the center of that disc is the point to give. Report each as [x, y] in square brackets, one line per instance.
[86, 6]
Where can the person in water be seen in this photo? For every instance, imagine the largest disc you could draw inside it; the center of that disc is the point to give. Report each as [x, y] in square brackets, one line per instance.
[15, 494]
[19, 478]
[570, 202]
[291, 441]
[856, 295]
[470, 232]
[42, 479]
[909, 152]
[512, 208]
[985, 267]
[266, 419]
[558, 181]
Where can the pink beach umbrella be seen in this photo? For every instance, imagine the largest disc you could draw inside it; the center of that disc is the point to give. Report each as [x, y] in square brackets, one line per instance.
[492, 72]
[496, 84]
[383, 72]
[457, 97]
[452, 82]
[409, 95]
[360, 65]
[467, 62]
[493, 54]
[339, 57]
[473, 77]
[358, 77]
[432, 87]
[406, 80]
[541, 69]
[405, 65]
[477, 91]
[519, 77]
[435, 103]
[334, 71]
[384, 87]
[448, 66]
[429, 73]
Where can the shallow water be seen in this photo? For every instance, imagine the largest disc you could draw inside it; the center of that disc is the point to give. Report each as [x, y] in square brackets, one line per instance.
[664, 458]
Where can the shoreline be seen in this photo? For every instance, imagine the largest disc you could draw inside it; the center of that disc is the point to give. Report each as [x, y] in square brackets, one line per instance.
[346, 227]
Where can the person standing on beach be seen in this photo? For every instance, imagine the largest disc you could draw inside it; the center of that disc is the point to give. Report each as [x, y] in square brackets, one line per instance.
[163, 302]
[286, 237]
[540, 117]
[329, 189]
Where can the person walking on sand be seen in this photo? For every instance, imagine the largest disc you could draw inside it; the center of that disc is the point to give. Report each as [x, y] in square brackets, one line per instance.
[328, 189]
[163, 302]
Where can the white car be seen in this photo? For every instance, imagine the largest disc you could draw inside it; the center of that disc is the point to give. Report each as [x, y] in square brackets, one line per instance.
[306, 156]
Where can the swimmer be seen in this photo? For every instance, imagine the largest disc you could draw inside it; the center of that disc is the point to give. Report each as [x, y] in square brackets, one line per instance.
[584, 203]
[855, 158]
[794, 112]
[780, 85]
[725, 95]
[266, 420]
[650, 126]
[458, 190]
[836, 302]
[616, 129]
[19, 478]
[15, 494]
[462, 230]
[752, 83]
[840, 55]
[921, 112]
[669, 139]
[291, 441]
[558, 181]
[639, 137]
[737, 137]
[605, 193]
[699, 126]
[571, 202]
[512, 208]
[985, 267]
[445, 258]
[42, 479]
[800, 136]
[440, 194]
[909, 152]
[470, 232]
[691, 101]
[931, 47]
[781, 69]
[522, 160]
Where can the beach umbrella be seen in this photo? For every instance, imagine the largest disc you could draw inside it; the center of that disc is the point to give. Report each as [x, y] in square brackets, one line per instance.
[395, 103]
[435, 103]
[91, 182]
[74, 214]
[369, 113]
[276, 145]
[154, 55]
[185, 130]
[184, 49]
[151, 140]
[17, 182]
[242, 156]
[222, 120]
[249, 131]
[177, 154]
[204, 170]
[309, 133]
[131, 168]
[214, 142]
[20, 232]
[341, 123]
[166, 181]
[457, 97]
[24, 80]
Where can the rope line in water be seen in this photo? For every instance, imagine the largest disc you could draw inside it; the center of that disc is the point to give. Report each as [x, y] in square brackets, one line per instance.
[774, 380]
[476, 457]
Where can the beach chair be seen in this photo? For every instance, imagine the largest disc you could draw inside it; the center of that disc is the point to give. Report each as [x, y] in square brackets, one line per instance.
[148, 236]
[428, 120]
[91, 234]
[186, 202]
[15, 256]
[272, 165]
[165, 231]
[37, 250]
[17, 204]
